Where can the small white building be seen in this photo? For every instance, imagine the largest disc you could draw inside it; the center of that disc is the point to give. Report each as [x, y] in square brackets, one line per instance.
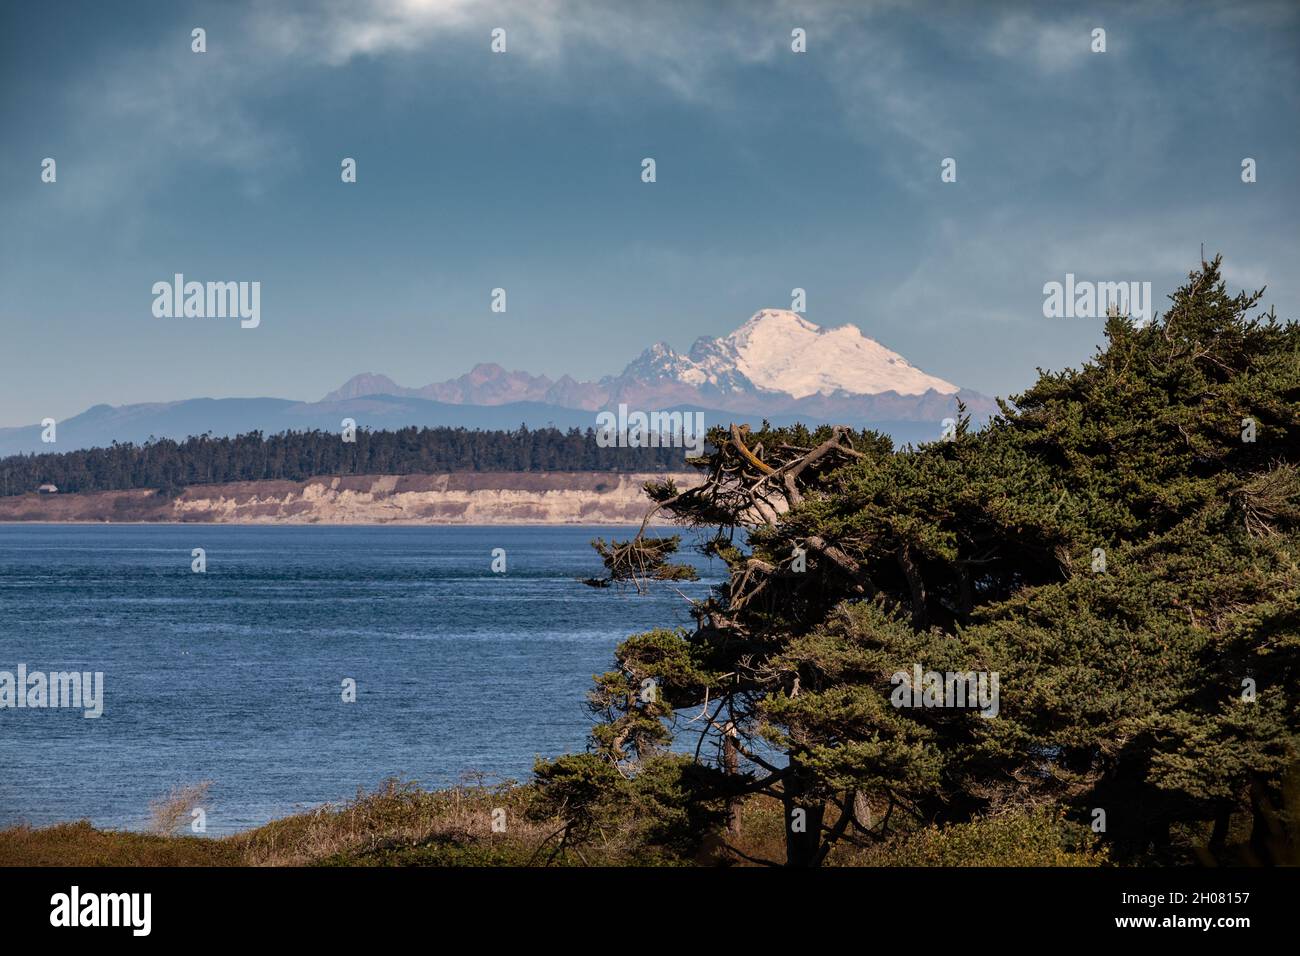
[48, 489]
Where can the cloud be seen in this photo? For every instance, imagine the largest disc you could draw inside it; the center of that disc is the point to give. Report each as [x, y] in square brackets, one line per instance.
[140, 115]
[183, 107]
[180, 105]
[1001, 281]
[677, 45]
[336, 32]
[1051, 45]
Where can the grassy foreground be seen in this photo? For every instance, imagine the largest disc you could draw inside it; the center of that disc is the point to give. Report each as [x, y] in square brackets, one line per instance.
[402, 825]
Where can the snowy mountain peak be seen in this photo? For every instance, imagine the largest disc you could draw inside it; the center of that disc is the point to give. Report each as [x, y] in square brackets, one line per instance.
[782, 351]
[773, 319]
[776, 360]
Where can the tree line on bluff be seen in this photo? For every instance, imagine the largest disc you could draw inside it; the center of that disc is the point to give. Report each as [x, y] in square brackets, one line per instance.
[169, 465]
[1120, 546]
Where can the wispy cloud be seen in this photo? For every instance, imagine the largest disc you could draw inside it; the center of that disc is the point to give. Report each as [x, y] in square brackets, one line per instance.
[676, 45]
[1051, 45]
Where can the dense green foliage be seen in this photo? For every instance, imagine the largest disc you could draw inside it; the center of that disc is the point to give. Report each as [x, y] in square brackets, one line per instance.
[296, 456]
[1120, 547]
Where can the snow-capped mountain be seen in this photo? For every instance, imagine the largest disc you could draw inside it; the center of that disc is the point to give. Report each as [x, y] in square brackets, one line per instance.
[776, 362]
[784, 352]
[777, 366]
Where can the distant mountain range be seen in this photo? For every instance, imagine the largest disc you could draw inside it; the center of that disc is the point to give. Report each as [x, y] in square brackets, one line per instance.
[777, 366]
[776, 362]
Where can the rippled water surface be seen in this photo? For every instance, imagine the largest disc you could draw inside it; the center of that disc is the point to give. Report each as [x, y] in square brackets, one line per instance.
[234, 676]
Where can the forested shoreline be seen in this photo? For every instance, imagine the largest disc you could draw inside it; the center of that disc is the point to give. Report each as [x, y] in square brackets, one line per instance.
[169, 465]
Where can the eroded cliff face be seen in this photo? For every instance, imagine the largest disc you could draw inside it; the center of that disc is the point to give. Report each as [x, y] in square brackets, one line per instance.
[462, 498]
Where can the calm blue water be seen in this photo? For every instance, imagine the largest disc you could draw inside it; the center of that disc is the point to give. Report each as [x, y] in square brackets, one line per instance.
[234, 676]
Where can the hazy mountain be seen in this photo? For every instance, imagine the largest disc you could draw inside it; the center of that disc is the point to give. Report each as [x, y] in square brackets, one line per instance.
[104, 424]
[777, 366]
[777, 362]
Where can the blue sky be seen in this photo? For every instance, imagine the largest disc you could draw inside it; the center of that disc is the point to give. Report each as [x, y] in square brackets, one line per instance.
[522, 170]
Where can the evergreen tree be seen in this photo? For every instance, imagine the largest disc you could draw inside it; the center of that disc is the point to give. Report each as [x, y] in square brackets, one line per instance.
[1119, 547]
